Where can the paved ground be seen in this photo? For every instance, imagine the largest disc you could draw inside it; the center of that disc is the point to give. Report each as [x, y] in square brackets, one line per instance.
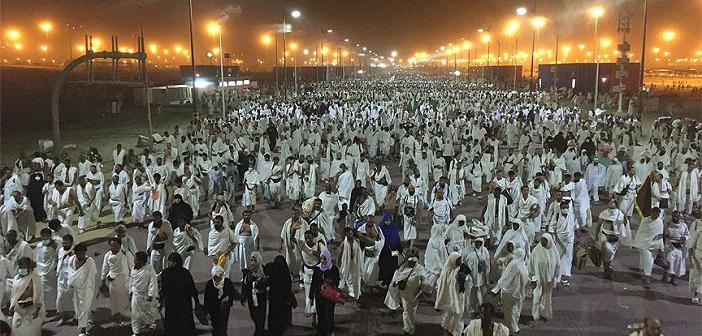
[591, 306]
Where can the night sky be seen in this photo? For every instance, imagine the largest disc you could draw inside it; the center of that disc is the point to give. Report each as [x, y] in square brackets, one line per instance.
[383, 25]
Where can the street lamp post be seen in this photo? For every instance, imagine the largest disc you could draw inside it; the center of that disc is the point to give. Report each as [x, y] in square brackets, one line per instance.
[46, 27]
[192, 60]
[597, 13]
[537, 23]
[293, 47]
[642, 64]
[215, 29]
[511, 31]
[221, 75]
[294, 14]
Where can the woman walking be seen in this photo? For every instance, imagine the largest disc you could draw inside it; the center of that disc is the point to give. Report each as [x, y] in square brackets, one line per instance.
[219, 297]
[325, 274]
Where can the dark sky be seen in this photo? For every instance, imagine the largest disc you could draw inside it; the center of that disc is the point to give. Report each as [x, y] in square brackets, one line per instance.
[405, 25]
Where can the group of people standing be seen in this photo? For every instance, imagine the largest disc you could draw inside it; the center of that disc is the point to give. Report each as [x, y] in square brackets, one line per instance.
[537, 170]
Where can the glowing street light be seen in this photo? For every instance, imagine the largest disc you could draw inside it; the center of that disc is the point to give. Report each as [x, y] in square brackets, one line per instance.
[511, 28]
[597, 12]
[178, 48]
[538, 22]
[266, 40]
[97, 43]
[393, 54]
[605, 43]
[521, 11]
[46, 26]
[656, 50]
[153, 48]
[18, 46]
[13, 35]
[581, 47]
[669, 35]
[213, 28]
[293, 46]
[295, 14]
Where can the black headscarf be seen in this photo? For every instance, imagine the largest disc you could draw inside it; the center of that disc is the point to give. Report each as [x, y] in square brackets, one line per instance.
[279, 278]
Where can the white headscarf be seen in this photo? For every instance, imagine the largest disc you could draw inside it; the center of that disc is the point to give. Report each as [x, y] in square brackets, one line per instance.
[543, 264]
[517, 237]
[515, 277]
[448, 297]
[218, 271]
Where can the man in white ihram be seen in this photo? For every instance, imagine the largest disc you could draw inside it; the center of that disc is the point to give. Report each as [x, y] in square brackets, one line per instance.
[115, 270]
[81, 278]
[143, 289]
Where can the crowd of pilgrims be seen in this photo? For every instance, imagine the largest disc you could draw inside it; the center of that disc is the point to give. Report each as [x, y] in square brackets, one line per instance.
[532, 167]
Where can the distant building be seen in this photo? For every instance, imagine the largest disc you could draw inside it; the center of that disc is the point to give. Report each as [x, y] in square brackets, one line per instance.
[581, 76]
[208, 72]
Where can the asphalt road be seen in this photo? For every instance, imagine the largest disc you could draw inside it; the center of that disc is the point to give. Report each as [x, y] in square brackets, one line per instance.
[591, 306]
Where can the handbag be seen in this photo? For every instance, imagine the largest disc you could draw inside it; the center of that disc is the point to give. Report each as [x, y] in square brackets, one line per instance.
[408, 211]
[612, 238]
[292, 301]
[331, 293]
[661, 261]
[201, 314]
[663, 203]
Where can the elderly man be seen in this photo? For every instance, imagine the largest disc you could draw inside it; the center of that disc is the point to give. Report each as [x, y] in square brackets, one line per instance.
[17, 214]
[221, 242]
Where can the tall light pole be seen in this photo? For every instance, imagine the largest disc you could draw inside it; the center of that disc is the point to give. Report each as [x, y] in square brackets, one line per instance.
[193, 88]
[215, 28]
[46, 27]
[511, 30]
[321, 51]
[537, 23]
[266, 40]
[294, 14]
[293, 47]
[145, 68]
[642, 64]
[597, 13]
